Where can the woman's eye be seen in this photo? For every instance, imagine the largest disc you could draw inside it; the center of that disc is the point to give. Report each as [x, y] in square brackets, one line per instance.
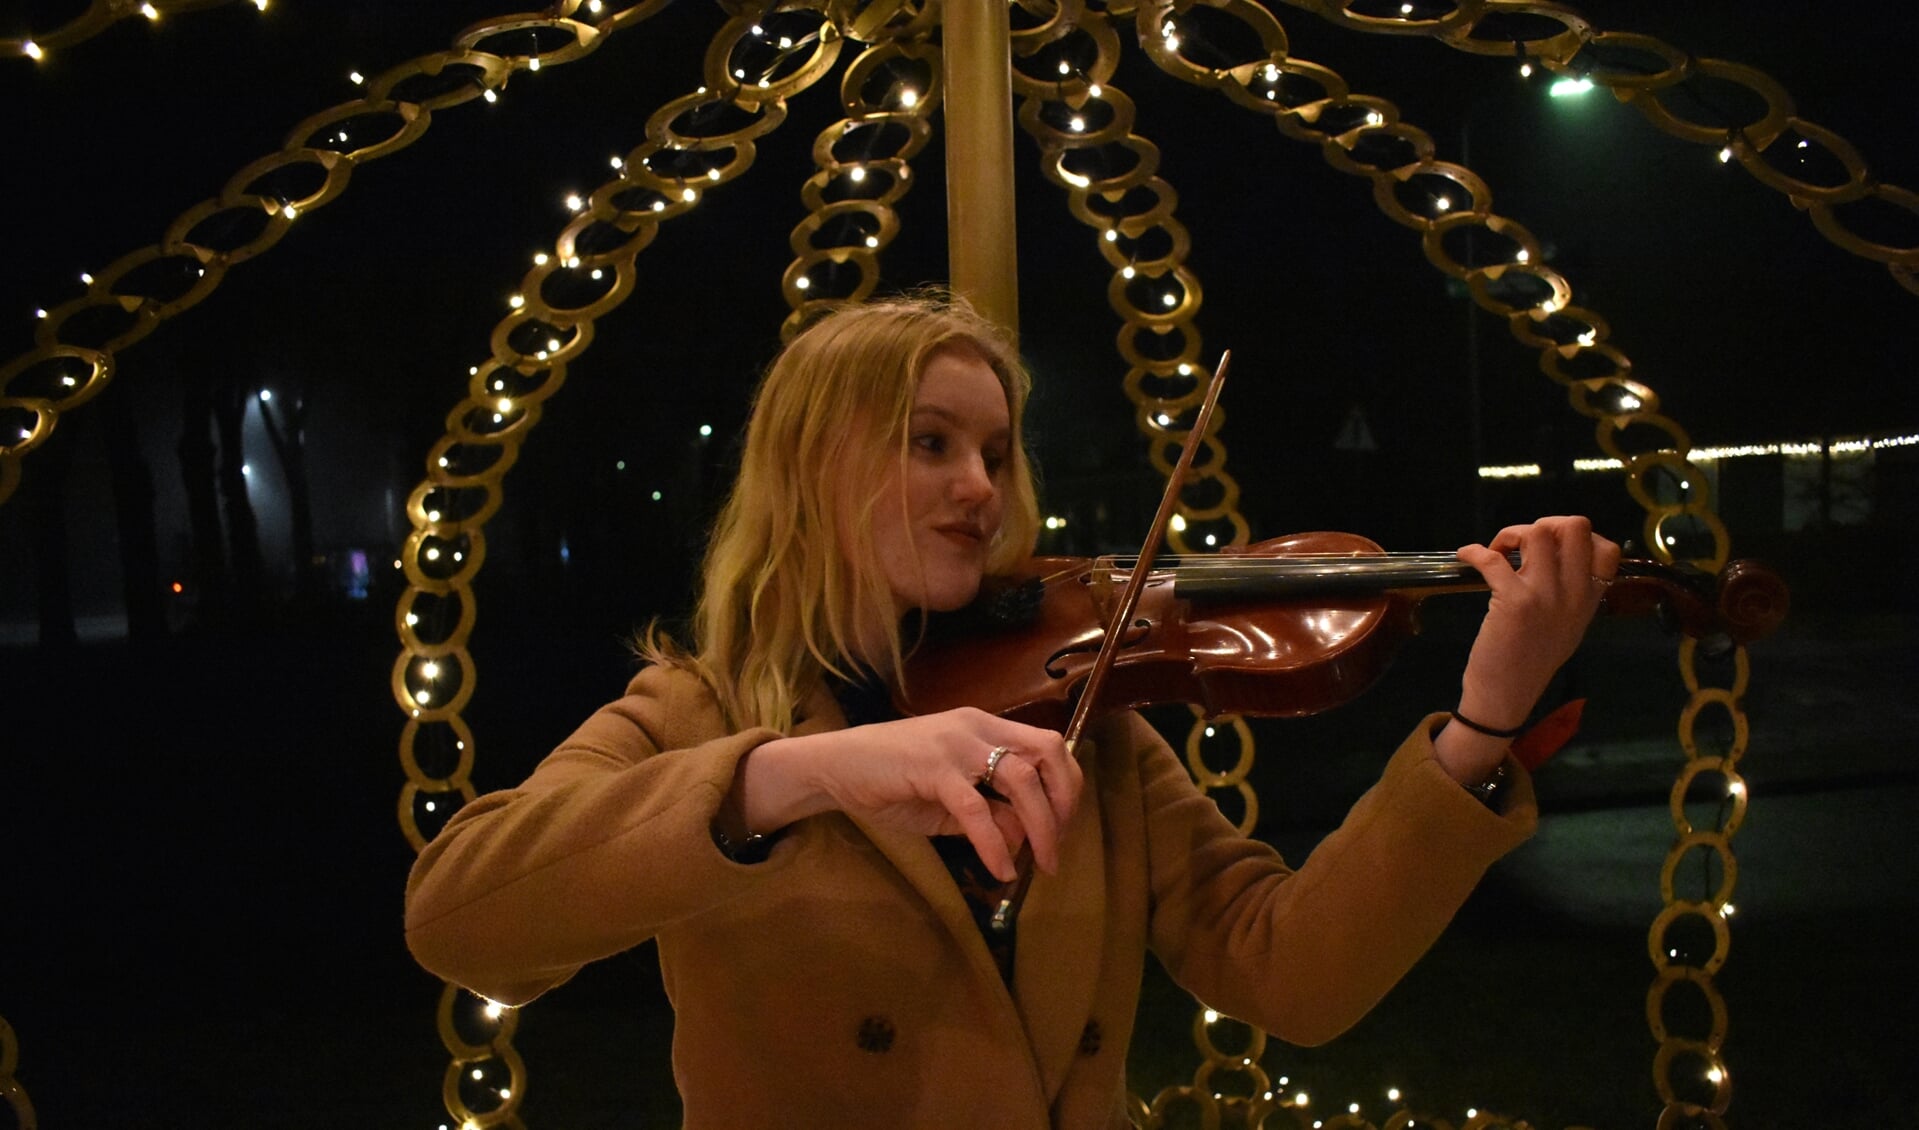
[932, 442]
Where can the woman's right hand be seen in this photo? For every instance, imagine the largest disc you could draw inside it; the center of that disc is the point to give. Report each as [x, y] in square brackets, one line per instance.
[921, 775]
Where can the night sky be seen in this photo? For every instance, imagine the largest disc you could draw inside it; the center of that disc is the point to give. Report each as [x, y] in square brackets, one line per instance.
[1749, 324]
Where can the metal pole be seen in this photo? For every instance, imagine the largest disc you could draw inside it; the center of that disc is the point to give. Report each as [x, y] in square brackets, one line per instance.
[982, 252]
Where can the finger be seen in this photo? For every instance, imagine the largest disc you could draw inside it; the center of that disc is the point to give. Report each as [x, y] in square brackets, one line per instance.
[1606, 555]
[1059, 771]
[975, 817]
[1576, 553]
[1019, 783]
[1062, 776]
[1493, 567]
[1509, 539]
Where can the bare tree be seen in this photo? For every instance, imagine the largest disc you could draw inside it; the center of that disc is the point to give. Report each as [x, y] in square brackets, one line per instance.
[285, 414]
[139, 538]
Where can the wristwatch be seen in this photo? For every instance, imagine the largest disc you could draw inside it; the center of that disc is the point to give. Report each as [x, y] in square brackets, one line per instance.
[1491, 791]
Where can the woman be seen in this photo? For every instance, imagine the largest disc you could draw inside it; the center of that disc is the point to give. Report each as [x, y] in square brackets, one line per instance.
[811, 865]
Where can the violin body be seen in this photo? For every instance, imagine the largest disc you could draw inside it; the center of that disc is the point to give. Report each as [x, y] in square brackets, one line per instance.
[1283, 628]
[1252, 654]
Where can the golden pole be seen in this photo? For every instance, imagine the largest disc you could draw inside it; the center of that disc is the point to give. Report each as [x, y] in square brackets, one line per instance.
[982, 252]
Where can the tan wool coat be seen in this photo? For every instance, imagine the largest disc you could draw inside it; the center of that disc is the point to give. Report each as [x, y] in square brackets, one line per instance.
[843, 982]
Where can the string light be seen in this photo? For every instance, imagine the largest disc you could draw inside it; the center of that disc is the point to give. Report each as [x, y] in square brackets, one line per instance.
[1094, 90]
[689, 195]
[533, 64]
[1525, 70]
[1443, 203]
[573, 202]
[909, 98]
[490, 94]
[1589, 337]
[856, 174]
[1522, 255]
[1725, 154]
[33, 50]
[356, 78]
[150, 12]
[1511, 471]
[802, 282]
[260, 4]
[430, 669]
[516, 301]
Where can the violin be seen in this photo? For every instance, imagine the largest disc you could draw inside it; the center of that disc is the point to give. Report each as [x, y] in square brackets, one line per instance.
[1286, 627]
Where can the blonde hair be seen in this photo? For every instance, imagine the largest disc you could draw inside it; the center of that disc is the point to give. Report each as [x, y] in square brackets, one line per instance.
[789, 586]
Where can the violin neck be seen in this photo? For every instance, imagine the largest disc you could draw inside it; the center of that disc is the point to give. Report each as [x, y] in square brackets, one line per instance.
[1223, 578]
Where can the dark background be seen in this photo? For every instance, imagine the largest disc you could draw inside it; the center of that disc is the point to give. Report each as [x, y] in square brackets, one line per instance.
[200, 916]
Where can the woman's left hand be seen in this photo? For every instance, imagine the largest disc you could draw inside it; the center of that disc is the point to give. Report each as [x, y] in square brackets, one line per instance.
[1534, 623]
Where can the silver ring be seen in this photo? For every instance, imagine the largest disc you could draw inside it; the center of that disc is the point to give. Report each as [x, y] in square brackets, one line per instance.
[992, 763]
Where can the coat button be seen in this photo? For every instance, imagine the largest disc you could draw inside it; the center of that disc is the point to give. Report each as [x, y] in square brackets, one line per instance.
[876, 1035]
[1089, 1038]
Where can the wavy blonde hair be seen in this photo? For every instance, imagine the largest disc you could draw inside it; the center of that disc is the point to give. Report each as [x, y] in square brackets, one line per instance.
[792, 581]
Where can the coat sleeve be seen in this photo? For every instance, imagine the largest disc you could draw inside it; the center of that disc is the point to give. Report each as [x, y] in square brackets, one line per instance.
[608, 841]
[1305, 954]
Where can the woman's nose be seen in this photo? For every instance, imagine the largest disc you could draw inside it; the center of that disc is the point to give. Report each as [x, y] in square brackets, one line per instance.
[974, 481]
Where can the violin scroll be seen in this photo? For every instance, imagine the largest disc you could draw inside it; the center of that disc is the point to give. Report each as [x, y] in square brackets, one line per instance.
[1745, 602]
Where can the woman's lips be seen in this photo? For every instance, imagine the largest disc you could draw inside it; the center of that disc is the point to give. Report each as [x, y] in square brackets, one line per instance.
[968, 536]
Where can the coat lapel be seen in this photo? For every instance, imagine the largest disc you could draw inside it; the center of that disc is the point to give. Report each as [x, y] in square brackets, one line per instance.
[913, 857]
[1056, 964]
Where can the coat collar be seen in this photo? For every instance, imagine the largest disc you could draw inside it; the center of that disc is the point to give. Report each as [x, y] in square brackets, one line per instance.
[1061, 924]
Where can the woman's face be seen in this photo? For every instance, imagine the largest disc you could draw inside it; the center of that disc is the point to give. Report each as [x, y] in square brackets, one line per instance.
[937, 512]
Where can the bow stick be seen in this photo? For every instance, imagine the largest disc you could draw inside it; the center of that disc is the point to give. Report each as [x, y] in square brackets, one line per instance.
[1008, 909]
